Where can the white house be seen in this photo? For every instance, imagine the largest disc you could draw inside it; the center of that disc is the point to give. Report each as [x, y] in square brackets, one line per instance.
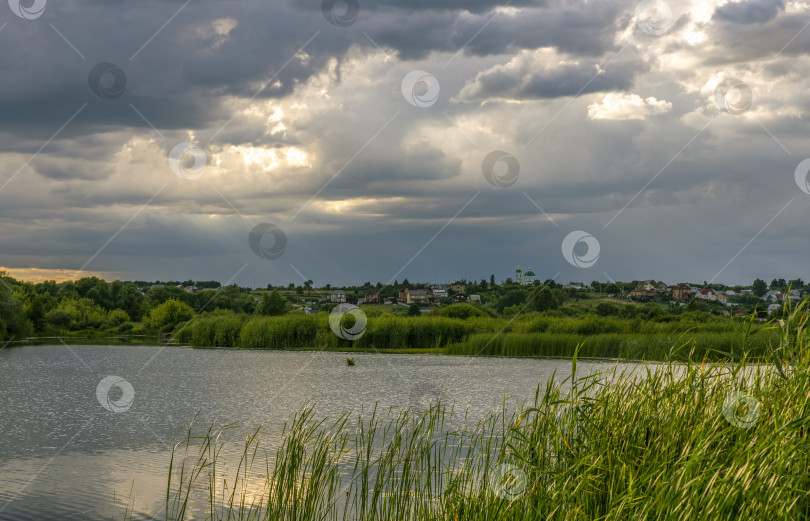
[706, 294]
[338, 296]
[475, 298]
[773, 307]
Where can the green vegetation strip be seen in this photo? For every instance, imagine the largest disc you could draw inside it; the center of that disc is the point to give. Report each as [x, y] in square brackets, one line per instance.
[465, 330]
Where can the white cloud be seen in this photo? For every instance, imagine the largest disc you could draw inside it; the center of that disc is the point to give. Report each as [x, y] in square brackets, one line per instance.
[627, 106]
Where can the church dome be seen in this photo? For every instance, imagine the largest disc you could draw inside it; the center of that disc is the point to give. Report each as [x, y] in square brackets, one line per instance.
[530, 273]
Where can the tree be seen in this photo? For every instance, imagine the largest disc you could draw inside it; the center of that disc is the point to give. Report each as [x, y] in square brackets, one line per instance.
[58, 318]
[308, 285]
[544, 299]
[168, 315]
[492, 280]
[35, 311]
[759, 287]
[273, 304]
[511, 298]
[413, 310]
[116, 317]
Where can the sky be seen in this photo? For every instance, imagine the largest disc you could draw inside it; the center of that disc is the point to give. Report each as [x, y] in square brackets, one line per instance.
[254, 142]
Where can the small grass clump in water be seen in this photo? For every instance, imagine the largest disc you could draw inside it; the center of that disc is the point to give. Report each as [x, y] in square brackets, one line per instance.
[690, 440]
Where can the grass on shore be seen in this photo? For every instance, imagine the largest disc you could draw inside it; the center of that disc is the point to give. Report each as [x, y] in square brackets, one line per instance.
[674, 441]
[533, 334]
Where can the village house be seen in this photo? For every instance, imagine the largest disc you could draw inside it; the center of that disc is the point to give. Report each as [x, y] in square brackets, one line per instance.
[338, 297]
[459, 297]
[458, 287]
[416, 296]
[682, 292]
[645, 289]
[475, 298]
[371, 297]
[773, 296]
[439, 292]
[721, 297]
[706, 294]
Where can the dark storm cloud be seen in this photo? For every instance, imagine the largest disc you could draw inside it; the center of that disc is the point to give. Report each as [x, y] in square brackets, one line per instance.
[750, 11]
[215, 49]
[584, 29]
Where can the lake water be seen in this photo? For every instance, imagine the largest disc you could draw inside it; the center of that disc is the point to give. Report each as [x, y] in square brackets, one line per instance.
[65, 456]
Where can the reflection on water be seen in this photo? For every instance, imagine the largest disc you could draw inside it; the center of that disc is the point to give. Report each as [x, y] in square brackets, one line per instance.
[66, 457]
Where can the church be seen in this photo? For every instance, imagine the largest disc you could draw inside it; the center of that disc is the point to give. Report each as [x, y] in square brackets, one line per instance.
[524, 279]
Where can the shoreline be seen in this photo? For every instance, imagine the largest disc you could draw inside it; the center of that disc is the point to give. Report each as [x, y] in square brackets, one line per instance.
[138, 342]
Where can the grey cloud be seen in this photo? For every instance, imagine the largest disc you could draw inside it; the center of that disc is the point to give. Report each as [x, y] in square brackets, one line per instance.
[749, 11]
[530, 77]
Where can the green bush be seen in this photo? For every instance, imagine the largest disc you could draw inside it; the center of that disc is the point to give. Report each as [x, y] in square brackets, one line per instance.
[116, 317]
[168, 315]
[463, 311]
